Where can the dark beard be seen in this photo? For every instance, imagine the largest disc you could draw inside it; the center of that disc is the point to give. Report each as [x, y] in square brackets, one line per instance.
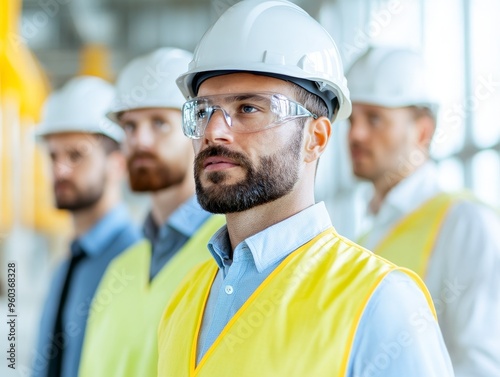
[158, 177]
[83, 200]
[275, 177]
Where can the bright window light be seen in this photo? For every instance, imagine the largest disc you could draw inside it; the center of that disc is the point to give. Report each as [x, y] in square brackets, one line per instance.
[486, 177]
[443, 51]
[451, 174]
[485, 99]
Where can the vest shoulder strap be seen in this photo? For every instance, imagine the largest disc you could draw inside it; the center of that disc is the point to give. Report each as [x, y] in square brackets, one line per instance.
[411, 241]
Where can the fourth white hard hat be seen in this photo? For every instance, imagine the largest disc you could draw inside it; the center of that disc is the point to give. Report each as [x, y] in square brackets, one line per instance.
[80, 106]
[275, 38]
[390, 77]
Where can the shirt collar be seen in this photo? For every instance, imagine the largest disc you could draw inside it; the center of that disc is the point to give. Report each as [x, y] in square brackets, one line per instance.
[96, 240]
[186, 219]
[149, 228]
[276, 242]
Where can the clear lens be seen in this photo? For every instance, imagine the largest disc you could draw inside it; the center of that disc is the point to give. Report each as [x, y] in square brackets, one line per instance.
[192, 121]
[243, 112]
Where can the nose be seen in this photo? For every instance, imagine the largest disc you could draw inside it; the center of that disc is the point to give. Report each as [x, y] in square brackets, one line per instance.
[358, 131]
[218, 128]
[143, 137]
[62, 169]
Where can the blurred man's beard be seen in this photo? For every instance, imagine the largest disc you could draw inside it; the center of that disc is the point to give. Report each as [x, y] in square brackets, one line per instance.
[157, 176]
[275, 177]
[82, 198]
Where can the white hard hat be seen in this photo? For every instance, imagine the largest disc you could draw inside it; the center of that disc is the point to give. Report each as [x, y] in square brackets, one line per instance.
[274, 38]
[390, 77]
[149, 81]
[80, 106]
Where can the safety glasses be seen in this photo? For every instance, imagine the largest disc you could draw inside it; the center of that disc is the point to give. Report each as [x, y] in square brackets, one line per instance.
[243, 112]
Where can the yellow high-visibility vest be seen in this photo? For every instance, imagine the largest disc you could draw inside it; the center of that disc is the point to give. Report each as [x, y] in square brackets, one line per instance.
[301, 321]
[410, 243]
[121, 337]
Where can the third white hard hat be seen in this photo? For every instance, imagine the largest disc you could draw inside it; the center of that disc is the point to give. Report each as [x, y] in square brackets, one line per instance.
[390, 77]
[149, 81]
[275, 38]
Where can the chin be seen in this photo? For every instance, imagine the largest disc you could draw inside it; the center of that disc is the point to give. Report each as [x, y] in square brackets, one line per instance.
[361, 174]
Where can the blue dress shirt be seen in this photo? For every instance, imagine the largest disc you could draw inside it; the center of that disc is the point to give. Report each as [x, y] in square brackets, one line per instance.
[110, 236]
[397, 335]
[174, 233]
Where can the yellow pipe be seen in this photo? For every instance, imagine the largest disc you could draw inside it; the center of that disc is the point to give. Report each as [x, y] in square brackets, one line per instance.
[25, 195]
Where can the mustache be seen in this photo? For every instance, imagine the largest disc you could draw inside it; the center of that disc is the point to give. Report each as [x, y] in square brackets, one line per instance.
[355, 146]
[62, 182]
[138, 155]
[220, 151]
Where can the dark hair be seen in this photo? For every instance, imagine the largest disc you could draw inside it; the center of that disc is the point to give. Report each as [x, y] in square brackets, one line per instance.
[420, 111]
[311, 102]
[314, 104]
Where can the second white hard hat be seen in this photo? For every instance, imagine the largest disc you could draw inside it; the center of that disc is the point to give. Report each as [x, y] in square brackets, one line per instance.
[80, 106]
[149, 81]
[275, 38]
[391, 77]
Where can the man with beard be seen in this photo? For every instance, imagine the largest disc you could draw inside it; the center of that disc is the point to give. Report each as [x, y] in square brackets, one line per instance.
[88, 170]
[284, 294]
[122, 335]
[449, 239]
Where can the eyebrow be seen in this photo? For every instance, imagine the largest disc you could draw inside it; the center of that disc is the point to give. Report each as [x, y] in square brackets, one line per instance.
[238, 97]
[246, 96]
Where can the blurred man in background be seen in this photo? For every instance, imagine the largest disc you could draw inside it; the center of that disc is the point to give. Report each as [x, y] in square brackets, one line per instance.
[121, 339]
[450, 240]
[88, 169]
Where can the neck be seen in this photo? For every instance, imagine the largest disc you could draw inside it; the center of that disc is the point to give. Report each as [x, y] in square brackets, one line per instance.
[85, 219]
[386, 182]
[382, 188]
[241, 225]
[166, 201]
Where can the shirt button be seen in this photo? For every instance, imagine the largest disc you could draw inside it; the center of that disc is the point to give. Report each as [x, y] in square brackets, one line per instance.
[229, 289]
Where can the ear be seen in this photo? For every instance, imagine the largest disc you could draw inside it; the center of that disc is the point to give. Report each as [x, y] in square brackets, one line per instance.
[426, 127]
[316, 138]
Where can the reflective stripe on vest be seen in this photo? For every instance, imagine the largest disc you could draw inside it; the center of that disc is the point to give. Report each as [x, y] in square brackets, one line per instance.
[121, 338]
[410, 242]
[301, 321]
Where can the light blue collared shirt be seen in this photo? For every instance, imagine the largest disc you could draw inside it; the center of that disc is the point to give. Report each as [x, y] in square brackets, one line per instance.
[111, 235]
[397, 335]
[168, 239]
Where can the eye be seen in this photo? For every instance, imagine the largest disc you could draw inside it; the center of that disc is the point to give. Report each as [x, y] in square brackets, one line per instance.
[128, 127]
[248, 109]
[201, 114]
[374, 120]
[161, 125]
[75, 156]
